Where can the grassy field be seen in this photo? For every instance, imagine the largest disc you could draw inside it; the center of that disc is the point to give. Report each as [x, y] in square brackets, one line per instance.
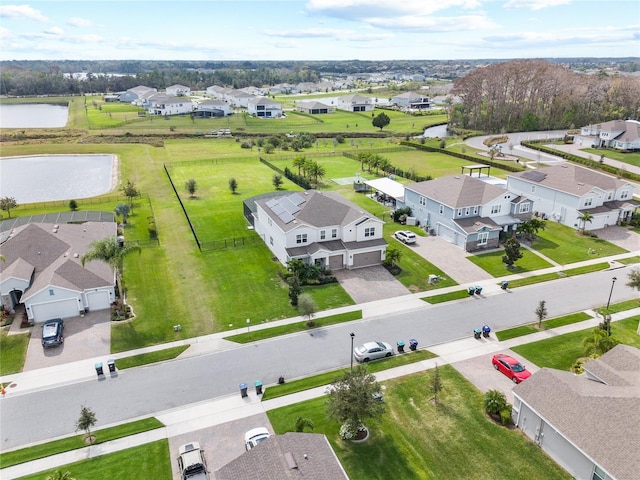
[418, 439]
[630, 158]
[151, 460]
[562, 351]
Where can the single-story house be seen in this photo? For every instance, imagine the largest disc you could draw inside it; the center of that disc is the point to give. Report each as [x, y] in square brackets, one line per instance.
[465, 210]
[355, 103]
[321, 228]
[217, 91]
[314, 108]
[565, 192]
[411, 100]
[213, 108]
[178, 90]
[292, 455]
[590, 423]
[43, 270]
[620, 134]
[264, 107]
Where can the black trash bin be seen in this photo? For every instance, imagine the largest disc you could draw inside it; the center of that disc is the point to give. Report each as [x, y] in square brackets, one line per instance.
[112, 366]
[504, 285]
[99, 370]
[258, 385]
[243, 390]
[477, 333]
[413, 344]
[400, 345]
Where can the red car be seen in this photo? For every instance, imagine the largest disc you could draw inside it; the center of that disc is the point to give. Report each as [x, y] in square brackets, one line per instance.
[510, 367]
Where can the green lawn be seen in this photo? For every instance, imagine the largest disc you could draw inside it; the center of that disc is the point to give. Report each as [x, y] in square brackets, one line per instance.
[565, 245]
[630, 158]
[418, 439]
[492, 263]
[13, 350]
[546, 324]
[447, 297]
[151, 460]
[151, 357]
[570, 272]
[562, 351]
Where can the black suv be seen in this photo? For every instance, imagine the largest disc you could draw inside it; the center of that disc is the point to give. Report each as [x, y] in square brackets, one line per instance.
[53, 332]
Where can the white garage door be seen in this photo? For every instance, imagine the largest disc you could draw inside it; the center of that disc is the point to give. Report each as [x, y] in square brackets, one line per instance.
[60, 309]
[98, 300]
[367, 259]
[446, 233]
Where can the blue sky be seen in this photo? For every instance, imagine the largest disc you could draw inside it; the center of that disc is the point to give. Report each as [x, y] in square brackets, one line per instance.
[318, 29]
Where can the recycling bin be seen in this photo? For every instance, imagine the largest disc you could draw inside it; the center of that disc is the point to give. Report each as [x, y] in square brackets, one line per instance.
[400, 345]
[485, 331]
[504, 285]
[472, 290]
[243, 390]
[477, 333]
[98, 367]
[413, 344]
[112, 366]
[478, 290]
[258, 385]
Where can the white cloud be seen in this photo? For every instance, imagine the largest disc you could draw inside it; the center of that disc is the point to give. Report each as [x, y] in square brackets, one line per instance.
[79, 22]
[21, 12]
[343, 35]
[359, 9]
[53, 32]
[434, 24]
[535, 4]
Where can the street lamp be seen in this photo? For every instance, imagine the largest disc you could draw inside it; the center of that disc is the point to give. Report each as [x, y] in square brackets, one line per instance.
[613, 282]
[352, 335]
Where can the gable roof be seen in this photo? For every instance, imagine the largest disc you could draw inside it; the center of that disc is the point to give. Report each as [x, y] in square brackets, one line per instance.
[354, 99]
[601, 419]
[570, 178]
[457, 191]
[52, 254]
[292, 455]
[313, 104]
[263, 101]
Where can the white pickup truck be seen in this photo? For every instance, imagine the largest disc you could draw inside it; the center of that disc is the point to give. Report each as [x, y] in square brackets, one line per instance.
[192, 463]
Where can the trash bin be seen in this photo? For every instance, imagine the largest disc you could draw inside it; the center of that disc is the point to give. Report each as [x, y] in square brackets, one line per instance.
[413, 344]
[112, 366]
[485, 331]
[504, 285]
[400, 345]
[478, 290]
[477, 333]
[243, 390]
[281, 380]
[472, 290]
[258, 385]
[98, 367]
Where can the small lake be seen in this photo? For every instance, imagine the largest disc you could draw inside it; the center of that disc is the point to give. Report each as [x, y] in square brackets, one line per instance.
[439, 131]
[44, 178]
[33, 115]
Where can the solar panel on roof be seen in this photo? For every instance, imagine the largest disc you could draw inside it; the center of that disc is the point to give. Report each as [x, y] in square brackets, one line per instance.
[289, 205]
[286, 217]
[296, 198]
[534, 176]
[272, 202]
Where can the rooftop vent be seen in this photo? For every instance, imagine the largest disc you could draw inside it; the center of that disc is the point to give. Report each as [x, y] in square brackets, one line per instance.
[291, 463]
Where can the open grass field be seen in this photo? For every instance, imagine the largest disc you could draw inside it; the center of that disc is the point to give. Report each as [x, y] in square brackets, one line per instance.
[418, 439]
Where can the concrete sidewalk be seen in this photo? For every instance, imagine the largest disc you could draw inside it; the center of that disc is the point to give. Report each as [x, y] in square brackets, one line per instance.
[232, 407]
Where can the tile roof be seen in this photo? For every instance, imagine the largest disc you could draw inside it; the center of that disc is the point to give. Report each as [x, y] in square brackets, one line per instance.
[281, 457]
[601, 419]
[457, 191]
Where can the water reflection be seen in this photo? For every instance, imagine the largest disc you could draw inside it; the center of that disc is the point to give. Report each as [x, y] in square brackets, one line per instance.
[33, 115]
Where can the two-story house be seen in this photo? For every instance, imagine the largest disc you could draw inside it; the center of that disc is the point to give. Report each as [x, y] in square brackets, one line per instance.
[465, 210]
[321, 228]
[355, 103]
[213, 108]
[264, 107]
[565, 192]
[411, 101]
[163, 104]
[178, 90]
[135, 93]
[620, 134]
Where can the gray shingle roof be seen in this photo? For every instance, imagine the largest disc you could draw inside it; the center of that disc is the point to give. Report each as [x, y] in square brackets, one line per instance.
[268, 460]
[602, 419]
[571, 179]
[457, 191]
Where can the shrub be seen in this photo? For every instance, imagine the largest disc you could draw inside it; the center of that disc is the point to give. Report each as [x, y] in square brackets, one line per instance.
[494, 402]
[505, 415]
[246, 144]
[339, 139]
[73, 205]
[151, 228]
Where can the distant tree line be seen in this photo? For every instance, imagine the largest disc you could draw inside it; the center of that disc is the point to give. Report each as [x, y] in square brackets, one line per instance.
[529, 95]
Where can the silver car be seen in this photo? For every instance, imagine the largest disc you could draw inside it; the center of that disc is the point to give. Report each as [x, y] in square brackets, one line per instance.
[372, 351]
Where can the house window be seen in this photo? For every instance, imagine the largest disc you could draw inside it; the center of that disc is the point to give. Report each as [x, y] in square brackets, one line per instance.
[525, 207]
[423, 201]
[483, 238]
[270, 222]
[467, 211]
[533, 188]
[51, 292]
[369, 232]
[301, 238]
[598, 473]
[334, 233]
[441, 209]
[495, 209]
[271, 241]
[624, 194]
[323, 234]
[588, 201]
[610, 196]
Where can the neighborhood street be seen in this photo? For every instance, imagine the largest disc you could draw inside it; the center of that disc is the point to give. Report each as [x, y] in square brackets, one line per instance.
[42, 414]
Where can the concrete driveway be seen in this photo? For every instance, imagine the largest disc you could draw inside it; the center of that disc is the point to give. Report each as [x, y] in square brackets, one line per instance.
[370, 284]
[84, 337]
[620, 236]
[480, 372]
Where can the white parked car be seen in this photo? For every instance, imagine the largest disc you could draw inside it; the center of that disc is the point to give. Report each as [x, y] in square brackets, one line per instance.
[254, 436]
[192, 463]
[372, 351]
[405, 236]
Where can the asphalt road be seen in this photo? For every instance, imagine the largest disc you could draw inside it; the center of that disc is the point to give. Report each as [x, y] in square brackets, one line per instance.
[39, 415]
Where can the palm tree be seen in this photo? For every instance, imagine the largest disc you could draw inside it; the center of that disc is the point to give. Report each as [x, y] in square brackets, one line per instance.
[316, 171]
[109, 250]
[584, 218]
[302, 423]
[299, 162]
[58, 475]
[598, 342]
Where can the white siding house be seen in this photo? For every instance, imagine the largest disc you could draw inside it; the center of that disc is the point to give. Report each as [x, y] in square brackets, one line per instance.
[355, 103]
[264, 107]
[565, 192]
[620, 134]
[178, 91]
[411, 101]
[314, 108]
[213, 108]
[162, 104]
[321, 228]
[43, 270]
